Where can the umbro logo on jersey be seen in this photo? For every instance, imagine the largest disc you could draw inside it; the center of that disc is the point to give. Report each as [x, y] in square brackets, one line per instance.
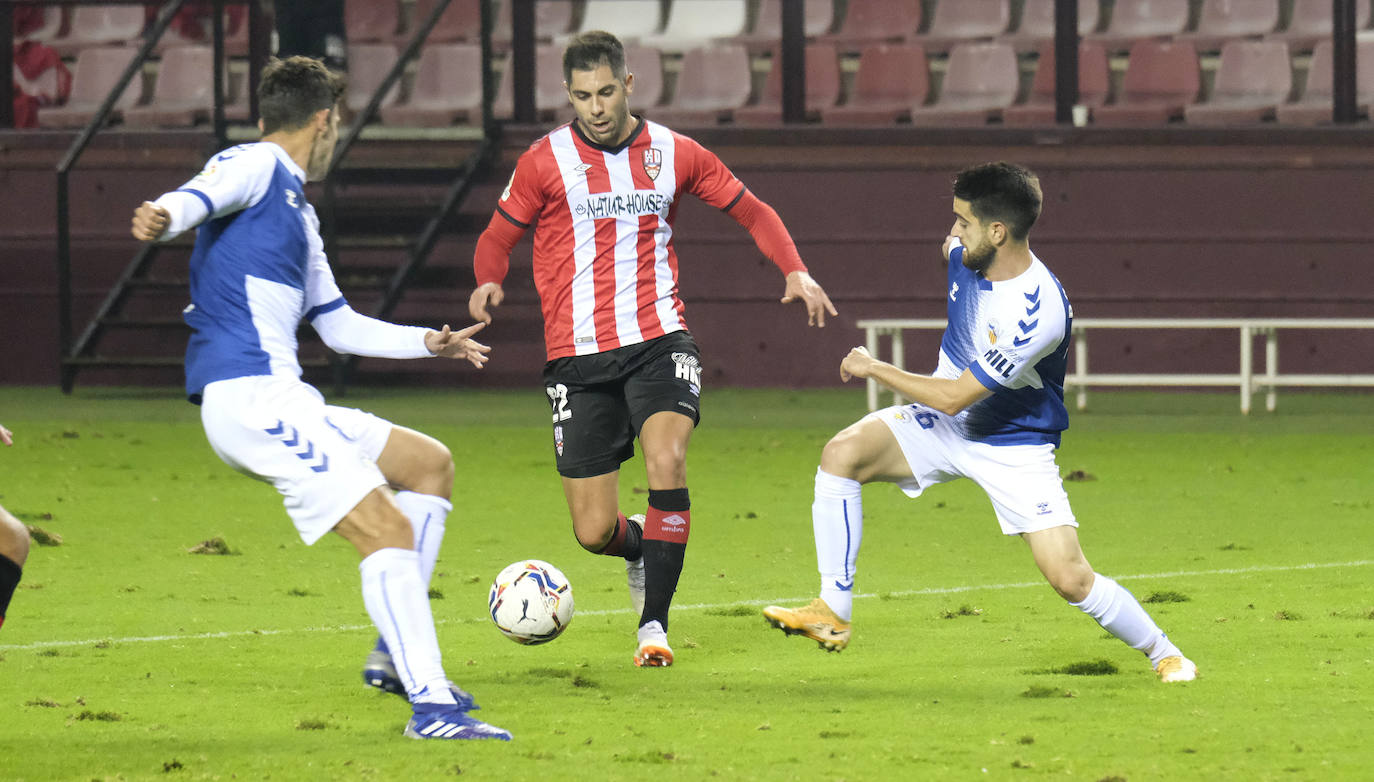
[583, 169]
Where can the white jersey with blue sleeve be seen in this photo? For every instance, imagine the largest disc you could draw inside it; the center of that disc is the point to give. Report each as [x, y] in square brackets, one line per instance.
[1013, 335]
[258, 268]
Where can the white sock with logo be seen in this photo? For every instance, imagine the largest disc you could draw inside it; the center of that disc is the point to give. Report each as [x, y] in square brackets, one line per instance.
[1120, 614]
[427, 514]
[837, 519]
[398, 603]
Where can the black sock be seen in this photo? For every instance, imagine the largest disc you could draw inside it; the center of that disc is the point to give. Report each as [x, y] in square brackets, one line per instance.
[625, 541]
[666, 528]
[9, 579]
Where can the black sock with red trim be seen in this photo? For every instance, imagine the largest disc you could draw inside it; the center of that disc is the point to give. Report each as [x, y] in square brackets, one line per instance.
[666, 527]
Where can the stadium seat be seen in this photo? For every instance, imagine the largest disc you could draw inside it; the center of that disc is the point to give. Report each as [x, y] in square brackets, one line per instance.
[235, 32]
[964, 21]
[184, 92]
[368, 65]
[550, 96]
[822, 87]
[628, 20]
[1310, 22]
[698, 23]
[1037, 24]
[1161, 78]
[713, 82]
[1094, 85]
[447, 88]
[891, 78]
[552, 18]
[1316, 105]
[876, 21]
[371, 21]
[980, 81]
[1225, 20]
[100, 25]
[94, 75]
[1253, 79]
[1134, 20]
[766, 34]
[52, 24]
[646, 63]
[461, 21]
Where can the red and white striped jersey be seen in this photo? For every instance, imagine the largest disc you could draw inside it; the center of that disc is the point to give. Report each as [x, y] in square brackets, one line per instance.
[604, 264]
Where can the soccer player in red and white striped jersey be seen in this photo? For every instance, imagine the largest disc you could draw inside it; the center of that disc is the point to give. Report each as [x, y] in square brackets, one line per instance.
[602, 193]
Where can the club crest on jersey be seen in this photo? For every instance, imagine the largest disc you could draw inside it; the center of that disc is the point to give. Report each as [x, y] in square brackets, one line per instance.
[653, 162]
[992, 332]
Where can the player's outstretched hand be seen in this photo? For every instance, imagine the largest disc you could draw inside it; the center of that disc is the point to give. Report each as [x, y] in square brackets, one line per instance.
[488, 294]
[150, 221]
[801, 286]
[458, 344]
[857, 364]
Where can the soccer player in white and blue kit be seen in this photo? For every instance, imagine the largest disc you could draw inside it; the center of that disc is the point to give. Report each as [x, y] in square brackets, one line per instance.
[257, 270]
[993, 411]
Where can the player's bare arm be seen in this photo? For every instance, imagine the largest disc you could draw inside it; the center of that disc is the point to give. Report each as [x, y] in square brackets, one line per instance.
[948, 396]
[800, 285]
[487, 295]
[446, 343]
[150, 221]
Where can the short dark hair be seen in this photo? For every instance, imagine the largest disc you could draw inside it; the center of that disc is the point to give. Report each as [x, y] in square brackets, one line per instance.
[290, 91]
[588, 50]
[1001, 192]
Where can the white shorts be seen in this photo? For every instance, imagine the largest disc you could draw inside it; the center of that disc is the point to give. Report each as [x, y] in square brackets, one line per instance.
[1021, 480]
[322, 458]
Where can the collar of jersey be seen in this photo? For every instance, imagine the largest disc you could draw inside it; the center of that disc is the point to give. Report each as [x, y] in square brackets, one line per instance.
[634, 134]
[286, 160]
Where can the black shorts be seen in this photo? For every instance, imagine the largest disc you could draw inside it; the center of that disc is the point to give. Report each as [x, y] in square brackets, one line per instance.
[599, 402]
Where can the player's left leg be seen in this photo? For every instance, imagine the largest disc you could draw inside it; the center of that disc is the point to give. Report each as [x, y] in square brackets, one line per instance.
[667, 524]
[1060, 558]
[14, 550]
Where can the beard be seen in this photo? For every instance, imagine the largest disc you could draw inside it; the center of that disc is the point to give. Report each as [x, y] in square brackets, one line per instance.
[978, 259]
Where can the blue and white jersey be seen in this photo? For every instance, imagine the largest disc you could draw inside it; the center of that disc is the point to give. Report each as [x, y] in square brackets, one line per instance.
[258, 266]
[1014, 336]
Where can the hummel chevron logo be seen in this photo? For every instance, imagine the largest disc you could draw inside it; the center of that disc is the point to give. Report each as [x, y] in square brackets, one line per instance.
[293, 439]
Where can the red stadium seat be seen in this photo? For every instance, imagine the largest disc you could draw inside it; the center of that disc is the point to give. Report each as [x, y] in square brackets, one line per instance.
[101, 25]
[552, 18]
[980, 81]
[94, 75]
[891, 78]
[646, 63]
[184, 93]
[1253, 79]
[1134, 20]
[822, 87]
[368, 64]
[713, 82]
[1310, 22]
[1225, 20]
[371, 20]
[1161, 78]
[1316, 105]
[1037, 24]
[628, 20]
[767, 31]
[550, 96]
[876, 21]
[1094, 85]
[447, 88]
[953, 23]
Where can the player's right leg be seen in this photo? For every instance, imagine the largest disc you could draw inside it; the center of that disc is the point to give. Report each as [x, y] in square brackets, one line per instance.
[14, 550]
[864, 452]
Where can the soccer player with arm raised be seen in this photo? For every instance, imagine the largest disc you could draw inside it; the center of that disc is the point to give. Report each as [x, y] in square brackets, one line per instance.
[993, 412]
[257, 270]
[602, 192]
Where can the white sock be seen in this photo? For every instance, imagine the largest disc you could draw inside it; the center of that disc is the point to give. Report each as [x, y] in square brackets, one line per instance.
[398, 603]
[1120, 614]
[427, 514]
[837, 519]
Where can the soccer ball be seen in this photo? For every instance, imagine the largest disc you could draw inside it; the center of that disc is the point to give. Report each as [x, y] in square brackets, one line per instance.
[531, 602]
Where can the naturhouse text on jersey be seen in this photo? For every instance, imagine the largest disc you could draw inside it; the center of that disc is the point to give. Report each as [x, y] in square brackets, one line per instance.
[598, 206]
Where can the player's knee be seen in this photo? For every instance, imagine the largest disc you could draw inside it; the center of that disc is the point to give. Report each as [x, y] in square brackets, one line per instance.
[665, 468]
[1072, 583]
[593, 540]
[436, 474]
[14, 538]
[843, 456]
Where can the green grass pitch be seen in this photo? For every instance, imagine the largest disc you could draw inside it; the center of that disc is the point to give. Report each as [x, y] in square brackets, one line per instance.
[1250, 539]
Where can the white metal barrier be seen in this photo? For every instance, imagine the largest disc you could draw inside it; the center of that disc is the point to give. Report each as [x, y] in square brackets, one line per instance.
[1247, 379]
